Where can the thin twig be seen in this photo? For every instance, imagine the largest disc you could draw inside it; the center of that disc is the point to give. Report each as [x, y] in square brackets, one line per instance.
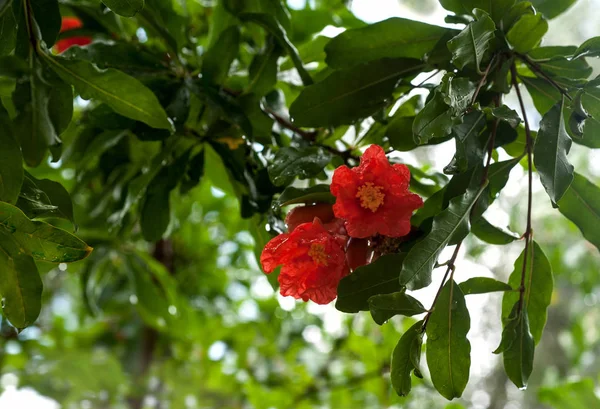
[529, 151]
[449, 271]
[538, 70]
[436, 72]
[483, 80]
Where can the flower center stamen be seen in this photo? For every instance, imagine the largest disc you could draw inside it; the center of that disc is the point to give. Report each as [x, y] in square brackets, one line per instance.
[317, 253]
[371, 196]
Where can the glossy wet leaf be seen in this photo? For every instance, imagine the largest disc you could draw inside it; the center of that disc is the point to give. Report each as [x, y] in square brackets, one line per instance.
[471, 44]
[218, 58]
[392, 38]
[483, 285]
[581, 205]
[550, 153]
[11, 161]
[351, 93]
[379, 277]
[385, 306]
[435, 120]
[452, 223]
[539, 285]
[527, 32]
[41, 240]
[489, 233]
[126, 8]
[406, 354]
[123, 93]
[315, 194]
[506, 114]
[290, 163]
[448, 349]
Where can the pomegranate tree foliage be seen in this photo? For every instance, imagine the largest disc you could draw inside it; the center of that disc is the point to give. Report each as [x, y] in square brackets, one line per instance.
[252, 97]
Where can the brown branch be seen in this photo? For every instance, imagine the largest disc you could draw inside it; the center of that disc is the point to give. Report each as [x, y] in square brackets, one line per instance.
[483, 80]
[538, 70]
[529, 152]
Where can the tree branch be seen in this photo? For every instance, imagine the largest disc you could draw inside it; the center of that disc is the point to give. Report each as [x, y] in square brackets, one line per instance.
[538, 70]
[529, 152]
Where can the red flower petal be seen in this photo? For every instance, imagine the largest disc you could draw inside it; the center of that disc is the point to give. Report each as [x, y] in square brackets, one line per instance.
[313, 262]
[64, 44]
[70, 23]
[306, 214]
[373, 197]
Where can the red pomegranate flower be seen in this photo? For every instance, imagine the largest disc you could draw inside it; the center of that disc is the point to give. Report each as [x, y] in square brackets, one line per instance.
[71, 23]
[373, 197]
[313, 262]
[306, 214]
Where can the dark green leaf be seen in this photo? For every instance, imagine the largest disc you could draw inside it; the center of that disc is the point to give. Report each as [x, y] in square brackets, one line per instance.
[8, 28]
[527, 32]
[538, 289]
[590, 99]
[41, 240]
[126, 8]
[543, 94]
[506, 114]
[385, 306]
[290, 163]
[518, 346]
[591, 134]
[434, 121]
[270, 23]
[218, 58]
[263, 70]
[552, 8]
[563, 67]
[124, 94]
[550, 153]
[44, 199]
[469, 47]
[483, 285]
[496, 8]
[379, 277]
[352, 93]
[589, 48]
[310, 51]
[47, 17]
[314, 194]
[155, 214]
[457, 92]
[391, 38]
[448, 349]
[452, 223]
[581, 205]
[406, 352]
[469, 144]
[20, 283]
[543, 54]
[11, 161]
[489, 233]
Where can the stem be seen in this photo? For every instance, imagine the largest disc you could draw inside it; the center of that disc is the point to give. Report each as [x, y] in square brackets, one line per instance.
[538, 70]
[483, 80]
[529, 151]
[449, 271]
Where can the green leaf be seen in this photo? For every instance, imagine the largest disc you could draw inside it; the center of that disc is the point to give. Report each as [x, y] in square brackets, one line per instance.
[589, 48]
[590, 99]
[41, 240]
[517, 346]
[552, 8]
[218, 58]
[391, 38]
[352, 93]
[546, 53]
[290, 163]
[563, 67]
[573, 395]
[504, 113]
[20, 283]
[452, 223]
[489, 233]
[544, 95]
[378, 277]
[263, 70]
[550, 153]
[469, 144]
[47, 17]
[314, 194]
[406, 355]
[8, 28]
[11, 161]
[273, 26]
[527, 32]
[385, 306]
[496, 8]
[311, 51]
[44, 199]
[470, 45]
[435, 120]
[155, 214]
[581, 205]
[538, 289]
[458, 92]
[448, 349]
[125, 8]
[124, 94]
[483, 285]
[591, 134]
